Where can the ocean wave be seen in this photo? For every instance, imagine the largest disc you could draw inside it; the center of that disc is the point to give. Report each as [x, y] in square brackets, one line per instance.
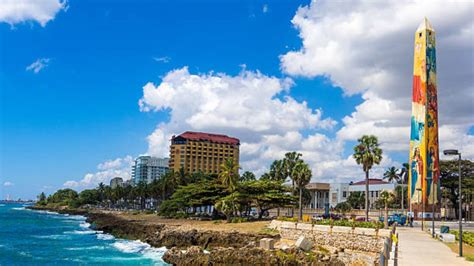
[87, 248]
[105, 237]
[53, 237]
[84, 225]
[83, 232]
[2, 205]
[142, 248]
[19, 208]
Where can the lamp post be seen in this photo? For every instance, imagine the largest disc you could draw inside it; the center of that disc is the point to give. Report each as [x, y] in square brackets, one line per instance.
[455, 152]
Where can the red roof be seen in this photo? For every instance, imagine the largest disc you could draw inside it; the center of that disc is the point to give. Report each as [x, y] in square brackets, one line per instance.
[216, 138]
[372, 181]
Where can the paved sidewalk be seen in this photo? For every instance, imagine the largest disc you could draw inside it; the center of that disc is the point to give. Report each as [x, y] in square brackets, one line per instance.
[418, 248]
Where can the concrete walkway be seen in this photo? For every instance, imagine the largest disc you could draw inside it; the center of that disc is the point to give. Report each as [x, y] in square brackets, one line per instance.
[418, 248]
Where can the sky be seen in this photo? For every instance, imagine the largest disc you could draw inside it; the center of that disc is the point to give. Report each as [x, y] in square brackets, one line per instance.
[87, 86]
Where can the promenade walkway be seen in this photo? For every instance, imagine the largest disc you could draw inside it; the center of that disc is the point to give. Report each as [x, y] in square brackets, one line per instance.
[418, 248]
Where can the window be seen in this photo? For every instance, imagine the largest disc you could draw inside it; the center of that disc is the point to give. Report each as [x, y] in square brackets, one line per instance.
[371, 194]
[344, 194]
[376, 194]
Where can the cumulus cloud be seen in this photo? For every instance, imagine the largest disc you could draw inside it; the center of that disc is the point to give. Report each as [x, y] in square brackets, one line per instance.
[367, 48]
[265, 8]
[8, 184]
[38, 65]
[254, 107]
[41, 11]
[120, 167]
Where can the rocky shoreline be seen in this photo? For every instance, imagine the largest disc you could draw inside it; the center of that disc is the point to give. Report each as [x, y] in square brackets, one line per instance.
[198, 247]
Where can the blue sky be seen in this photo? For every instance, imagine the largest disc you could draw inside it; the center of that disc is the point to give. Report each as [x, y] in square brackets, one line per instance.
[82, 108]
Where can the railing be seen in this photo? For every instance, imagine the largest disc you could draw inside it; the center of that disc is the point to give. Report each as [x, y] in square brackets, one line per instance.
[390, 248]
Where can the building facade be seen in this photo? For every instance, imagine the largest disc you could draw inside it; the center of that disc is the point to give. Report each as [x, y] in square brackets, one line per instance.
[319, 195]
[338, 192]
[376, 186]
[148, 168]
[116, 182]
[202, 152]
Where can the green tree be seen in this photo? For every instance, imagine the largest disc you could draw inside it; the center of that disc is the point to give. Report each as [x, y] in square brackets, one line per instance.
[301, 177]
[392, 175]
[367, 153]
[229, 174]
[89, 196]
[289, 162]
[450, 181]
[343, 207]
[278, 170]
[41, 199]
[227, 206]
[356, 199]
[386, 197]
[247, 176]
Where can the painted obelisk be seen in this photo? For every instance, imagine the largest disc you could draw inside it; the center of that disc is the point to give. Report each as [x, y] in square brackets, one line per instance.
[423, 183]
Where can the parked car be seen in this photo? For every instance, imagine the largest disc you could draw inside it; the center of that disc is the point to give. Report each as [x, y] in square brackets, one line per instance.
[395, 218]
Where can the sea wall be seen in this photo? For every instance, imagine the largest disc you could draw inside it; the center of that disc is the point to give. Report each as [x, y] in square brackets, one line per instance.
[339, 237]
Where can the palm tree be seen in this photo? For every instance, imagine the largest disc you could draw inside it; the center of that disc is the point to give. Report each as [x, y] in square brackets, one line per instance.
[229, 174]
[301, 176]
[101, 189]
[247, 176]
[289, 162]
[386, 197]
[367, 153]
[391, 175]
[277, 170]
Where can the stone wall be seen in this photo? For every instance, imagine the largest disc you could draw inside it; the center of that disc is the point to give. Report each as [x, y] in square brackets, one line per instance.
[338, 237]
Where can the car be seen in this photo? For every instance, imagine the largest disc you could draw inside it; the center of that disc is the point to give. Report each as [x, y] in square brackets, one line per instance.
[395, 218]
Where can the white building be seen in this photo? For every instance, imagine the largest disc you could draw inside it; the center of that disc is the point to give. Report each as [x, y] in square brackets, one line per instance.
[376, 186]
[319, 195]
[148, 168]
[338, 192]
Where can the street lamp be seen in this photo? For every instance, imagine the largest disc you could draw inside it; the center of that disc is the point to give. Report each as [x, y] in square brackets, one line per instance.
[455, 152]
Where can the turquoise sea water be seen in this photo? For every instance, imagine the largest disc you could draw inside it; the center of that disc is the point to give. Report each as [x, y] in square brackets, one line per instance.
[30, 237]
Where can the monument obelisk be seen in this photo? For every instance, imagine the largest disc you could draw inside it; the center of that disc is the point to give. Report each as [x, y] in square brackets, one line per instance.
[423, 176]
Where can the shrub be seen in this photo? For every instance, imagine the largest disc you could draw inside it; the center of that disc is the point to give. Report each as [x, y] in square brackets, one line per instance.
[467, 237]
[237, 220]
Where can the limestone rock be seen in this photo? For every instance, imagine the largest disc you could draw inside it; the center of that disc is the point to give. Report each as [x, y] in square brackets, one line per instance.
[304, 243]
[267, 243]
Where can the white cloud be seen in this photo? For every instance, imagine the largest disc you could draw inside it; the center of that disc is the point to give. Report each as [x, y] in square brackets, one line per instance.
[163, 59]
[367, 48]
[265, 8]
[251, 106]
[38, 65]
[8, 184]
[112, 168]
[41, 11]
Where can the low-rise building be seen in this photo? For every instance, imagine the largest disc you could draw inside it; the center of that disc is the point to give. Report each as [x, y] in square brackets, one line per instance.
[376, 186]
[319, 195]
[338, 192]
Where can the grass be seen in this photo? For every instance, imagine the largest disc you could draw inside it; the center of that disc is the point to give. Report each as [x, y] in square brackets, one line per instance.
[467, 250]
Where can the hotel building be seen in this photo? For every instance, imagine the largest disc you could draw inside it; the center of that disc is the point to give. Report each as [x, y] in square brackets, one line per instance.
[202, 152]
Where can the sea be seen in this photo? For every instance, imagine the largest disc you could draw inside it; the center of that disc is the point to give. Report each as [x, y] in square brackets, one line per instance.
[30, 237]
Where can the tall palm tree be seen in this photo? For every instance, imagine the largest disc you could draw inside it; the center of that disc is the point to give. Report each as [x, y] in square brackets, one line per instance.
[289, 162]
[367, 153]
[101, 189]
[247, 176]
[301, 176]
[229, 174]
[392, 175]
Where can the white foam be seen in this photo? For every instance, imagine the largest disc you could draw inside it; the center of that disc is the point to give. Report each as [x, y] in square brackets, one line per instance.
[2, 205]
[137, 246]
[105, 237]
[86, 248]
[85, 225]
[83, 232]
[19, 208]
[53, 237]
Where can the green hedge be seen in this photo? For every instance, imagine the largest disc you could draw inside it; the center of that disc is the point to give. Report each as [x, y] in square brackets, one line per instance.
[467, 237]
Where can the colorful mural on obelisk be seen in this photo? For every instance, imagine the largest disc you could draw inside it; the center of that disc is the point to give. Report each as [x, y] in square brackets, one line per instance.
[423, 184]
